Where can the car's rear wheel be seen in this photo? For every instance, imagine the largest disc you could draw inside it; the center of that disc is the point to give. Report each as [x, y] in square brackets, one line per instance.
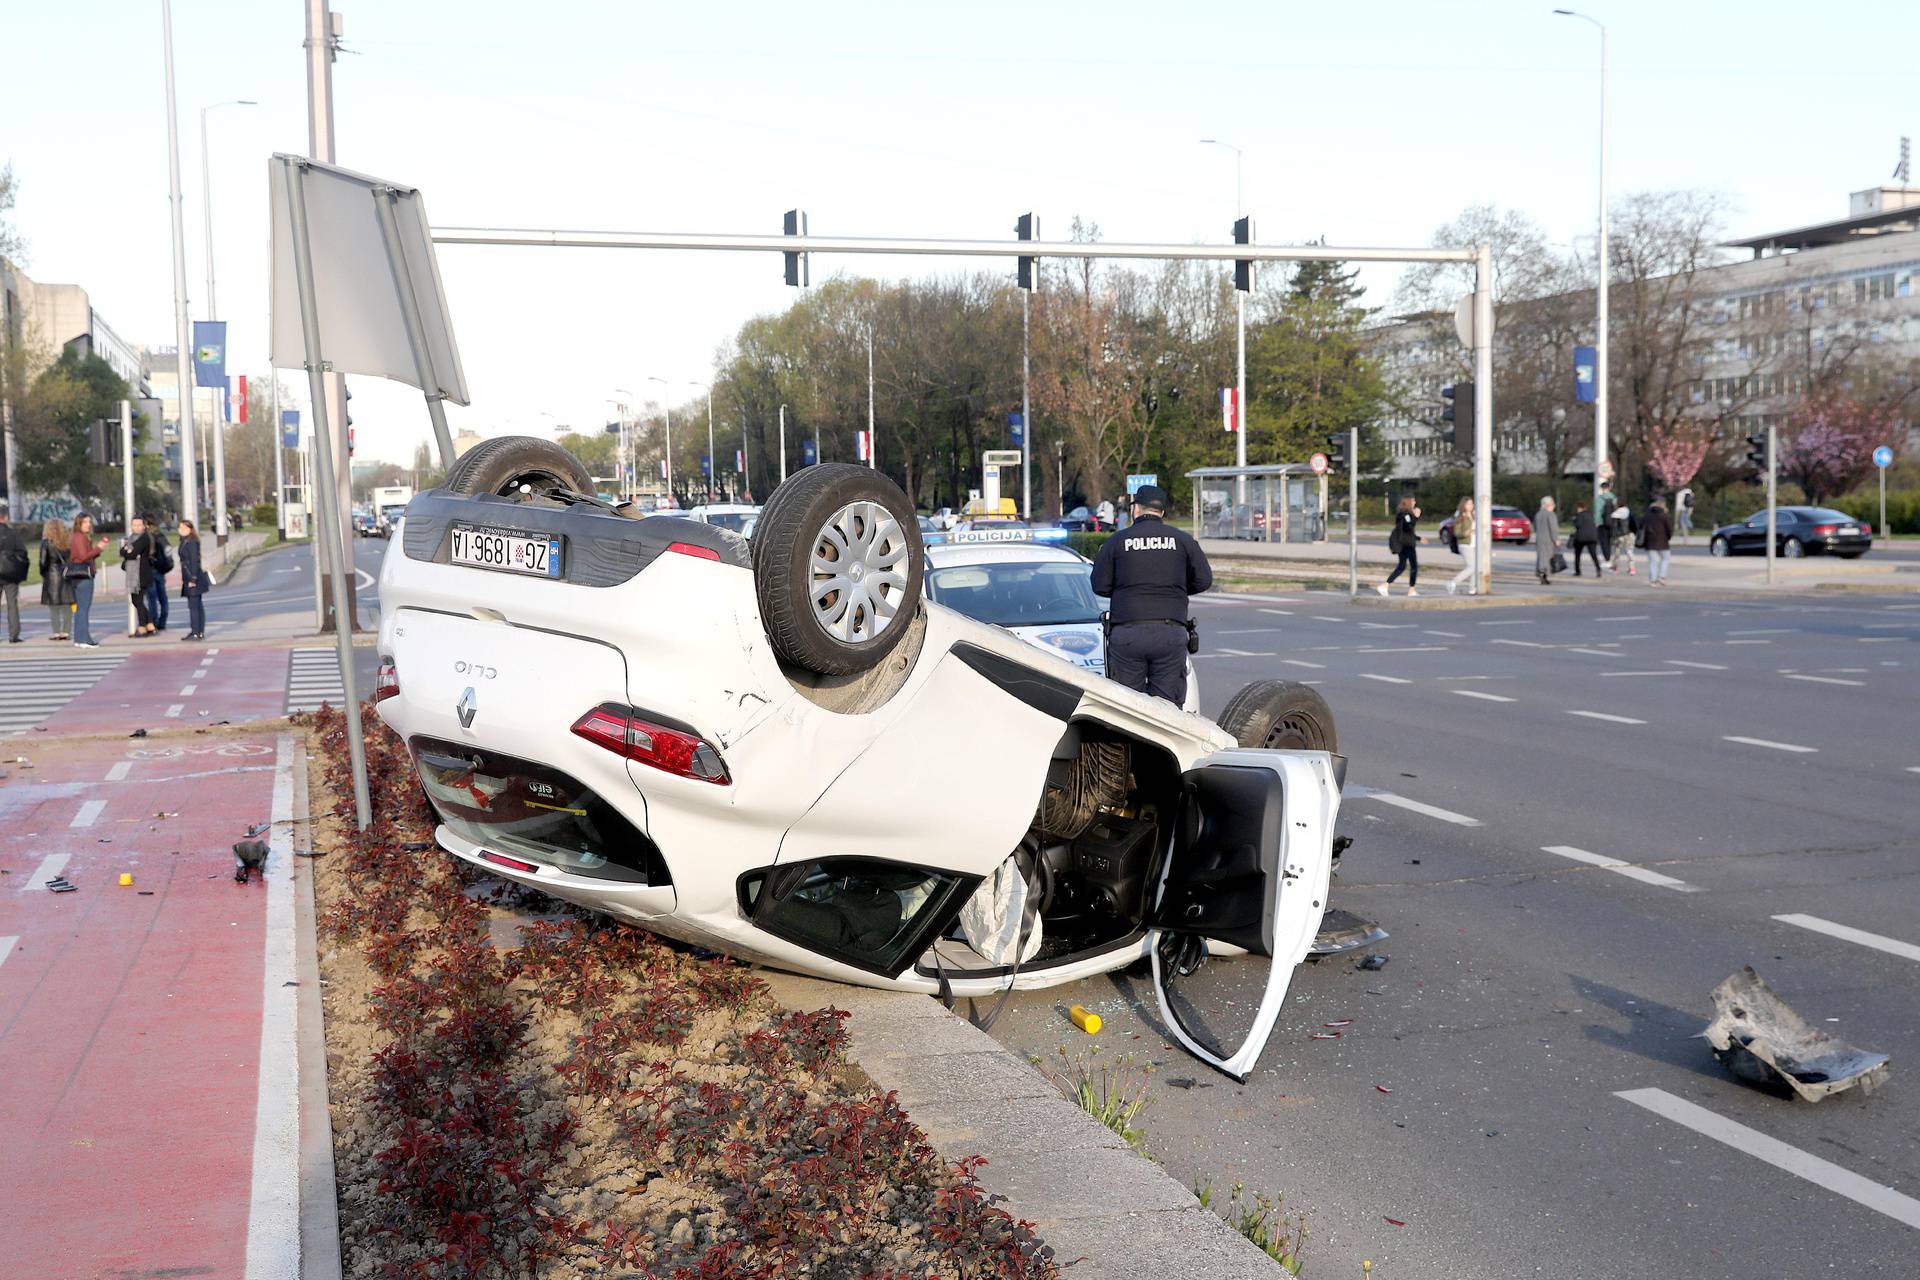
[522, 467]
[1280, 715]
[1793, 548]
[837, 566]
[1718, 547]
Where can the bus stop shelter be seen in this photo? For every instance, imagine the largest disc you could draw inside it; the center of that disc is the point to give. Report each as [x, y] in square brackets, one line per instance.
[1285, 502]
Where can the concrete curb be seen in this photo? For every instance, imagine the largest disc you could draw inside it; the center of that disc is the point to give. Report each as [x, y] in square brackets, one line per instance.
[1112, 1213]
[319, 1196]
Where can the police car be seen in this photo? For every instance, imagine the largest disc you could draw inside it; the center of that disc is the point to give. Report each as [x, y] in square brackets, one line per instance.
[746, 745]
[1020, 578]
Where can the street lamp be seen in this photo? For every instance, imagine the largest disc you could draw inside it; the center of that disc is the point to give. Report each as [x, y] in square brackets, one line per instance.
[1240, 324]
[666, 411]
[206, 219]
[1600, 294]
[783, 446]
[713, 462]
[621, 463]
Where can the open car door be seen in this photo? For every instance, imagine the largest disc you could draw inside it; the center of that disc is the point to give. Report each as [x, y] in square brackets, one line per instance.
[1248, 867]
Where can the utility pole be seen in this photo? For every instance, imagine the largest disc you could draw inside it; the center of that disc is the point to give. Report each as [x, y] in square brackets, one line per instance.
[220, 416]
[183, 363]
[873, 445]
[126, 458]
[1600, 285]
[666, 411]
[783, 444]
[329, 411]
[1026, 405]
[1060, 475]
[1353, 512]
[1773, 472]
[279, 458]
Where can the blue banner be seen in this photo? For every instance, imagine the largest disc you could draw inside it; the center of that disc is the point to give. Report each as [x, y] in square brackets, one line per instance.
[1018, 423]
[809, 452]
[1585, 360]
[210, 354]
[706, 464]
[290, 428]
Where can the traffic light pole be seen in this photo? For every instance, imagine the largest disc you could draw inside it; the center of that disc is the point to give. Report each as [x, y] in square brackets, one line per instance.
[1026, 406]
[126, 458]
[1483, 419]
[1772, 494]
[1353, 512]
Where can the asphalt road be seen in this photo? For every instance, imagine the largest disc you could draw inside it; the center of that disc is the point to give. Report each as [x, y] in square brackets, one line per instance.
[1760, 756]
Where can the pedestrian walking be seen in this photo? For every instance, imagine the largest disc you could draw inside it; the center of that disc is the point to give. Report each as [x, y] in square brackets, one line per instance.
[1147, 571]
[1656, 535]
[83, 553]
[1622, 527]
[1683, 513]
[1462, 542]
[1604, 504]
[13, 572]
[158, 607]
[1404, 542]
[136, 561]
[55, 591]
[1546, 540]
[1586, 538]
[193, 582]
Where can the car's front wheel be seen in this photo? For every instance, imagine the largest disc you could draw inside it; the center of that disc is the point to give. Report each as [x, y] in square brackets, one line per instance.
[1793, 548]
[1718, 547]
[837, 565]
[520, 467]
[1280, 715]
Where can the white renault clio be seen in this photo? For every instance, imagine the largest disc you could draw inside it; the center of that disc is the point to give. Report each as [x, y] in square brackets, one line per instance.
[748, 746]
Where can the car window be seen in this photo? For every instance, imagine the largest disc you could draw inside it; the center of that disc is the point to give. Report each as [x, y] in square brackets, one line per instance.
[736, 521]
[1018, 595]
[1825, 514]
[873, 914]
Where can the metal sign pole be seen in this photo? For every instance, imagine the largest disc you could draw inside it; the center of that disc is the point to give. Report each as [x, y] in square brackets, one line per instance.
[1483, 420]
[279, 460]
[1353, 512]
[331, 529]
[1883, 502]
[383, 202]
[126, 457]
[1026, 405]
[1772, 493]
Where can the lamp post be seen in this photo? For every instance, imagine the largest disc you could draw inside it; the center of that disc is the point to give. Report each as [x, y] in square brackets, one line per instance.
[183, 363]
[623, 460]
[666, 411]
[713, 462]
[1600, 290]
[1240, 324]
[783, 447]
[219, 419]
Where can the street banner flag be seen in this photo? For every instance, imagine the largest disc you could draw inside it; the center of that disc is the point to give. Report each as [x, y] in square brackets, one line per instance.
[1585, 361]
[860, 445]
[358, 285]
[1229, 408]
[706, 464]
[290, 428]
[740, 461]
[210, 353]
[809, 452]
[242, 401]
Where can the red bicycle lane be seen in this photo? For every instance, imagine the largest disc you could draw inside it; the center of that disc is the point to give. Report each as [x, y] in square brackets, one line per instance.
[164, 688]
[131, 1017]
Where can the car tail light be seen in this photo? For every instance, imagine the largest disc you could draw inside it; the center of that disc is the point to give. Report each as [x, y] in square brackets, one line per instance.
[1866, 528]
[1825, 530]
[386, 680]
[515, 864]
[669, 748]
[688, 549]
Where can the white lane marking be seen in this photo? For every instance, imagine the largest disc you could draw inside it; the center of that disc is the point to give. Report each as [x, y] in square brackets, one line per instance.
[1509, 622]
[1847, 671]
[1486, 697]
[1643, 673]
[1432, 811]
[273, 1216]
[88, 812]
[1619, 867]
[200, 674]
[1746, 642]
[1525, 644]
[1801, 1164]
[1639, 635]
[1625, 617]
[186, 690]
[1700, 666]
[212, 652]
[1249, 631]
[1321, 618]
[1858, 684]
[120, 771]
[1879, 639]
[1882, 626]
[1317, 666]
[1419, 648]
[1903, 606]
[173, 711]
[1368, 675]
[1762, 742]
[1610, 719]
[1598, 653]
[1847, 933]
[1451, 635]
[1913, 768]
[1236, 597]
[1243, 653]
[1392, 626]
[1288, 613]
[1762, 631]
[6, 947]
[50, 866]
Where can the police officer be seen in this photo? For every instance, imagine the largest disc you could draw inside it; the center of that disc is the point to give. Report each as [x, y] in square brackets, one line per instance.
[1147, 571]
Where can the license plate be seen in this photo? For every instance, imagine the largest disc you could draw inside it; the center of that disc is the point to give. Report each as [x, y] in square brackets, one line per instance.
[1849, 528]
[504, 549]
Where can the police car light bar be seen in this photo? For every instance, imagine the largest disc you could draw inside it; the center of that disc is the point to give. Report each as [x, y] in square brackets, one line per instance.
[1006, 535]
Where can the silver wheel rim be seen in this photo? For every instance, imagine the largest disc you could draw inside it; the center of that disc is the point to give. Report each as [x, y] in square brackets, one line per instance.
[1794, 550]
[858, 566]
[1718, 548]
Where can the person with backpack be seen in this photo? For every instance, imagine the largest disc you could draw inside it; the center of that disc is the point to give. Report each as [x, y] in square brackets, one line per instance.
[1404, 542]
[136, 561]
[55, 591]
[1604, 503]
[157, 605]
[1622, 526]
[13, 572]
[1683, 514]
[1462, 544]
[1586, 538]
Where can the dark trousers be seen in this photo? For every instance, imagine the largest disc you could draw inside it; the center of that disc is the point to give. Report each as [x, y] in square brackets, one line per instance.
[157, 606]
[1606, 542]
[196, 615]
[139, 599]
[1410, 561]
[1586, 548]
[1150, 657]
[10, 595]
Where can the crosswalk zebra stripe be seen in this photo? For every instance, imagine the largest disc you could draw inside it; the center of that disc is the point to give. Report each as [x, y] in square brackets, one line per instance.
[313, 680]
[32, 689]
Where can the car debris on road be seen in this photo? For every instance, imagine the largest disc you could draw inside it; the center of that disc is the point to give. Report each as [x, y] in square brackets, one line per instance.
[1759, 1038]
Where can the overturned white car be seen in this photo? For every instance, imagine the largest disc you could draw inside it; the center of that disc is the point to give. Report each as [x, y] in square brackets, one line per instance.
[749, 745]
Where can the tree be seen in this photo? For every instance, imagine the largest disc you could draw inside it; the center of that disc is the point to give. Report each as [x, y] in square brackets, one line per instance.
[12, 247]
[1309, 370]
[1676, 450]
[1829, 442]
[52, 429]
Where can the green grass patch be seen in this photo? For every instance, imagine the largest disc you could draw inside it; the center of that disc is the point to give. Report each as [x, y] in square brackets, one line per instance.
[1263, 1220]
[1114, 1093]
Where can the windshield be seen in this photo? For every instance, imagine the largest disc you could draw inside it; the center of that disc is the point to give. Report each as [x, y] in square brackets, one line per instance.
[737, 521]
[1018, 595]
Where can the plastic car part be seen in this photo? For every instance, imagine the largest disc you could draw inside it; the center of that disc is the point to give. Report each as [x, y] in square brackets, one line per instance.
[1077, 788]
[1281, 715]
[386, 680]
[521, 467]
[670, 748]
[837, 566]
[1759, 1038]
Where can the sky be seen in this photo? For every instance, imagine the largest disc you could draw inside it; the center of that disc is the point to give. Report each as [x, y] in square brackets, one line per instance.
[1363, 123]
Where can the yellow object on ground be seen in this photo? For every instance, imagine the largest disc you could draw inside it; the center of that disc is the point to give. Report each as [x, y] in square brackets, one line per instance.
[1087, 1022]
[126, 879]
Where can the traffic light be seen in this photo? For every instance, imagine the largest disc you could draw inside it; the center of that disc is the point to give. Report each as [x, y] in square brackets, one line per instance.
[1337, 459]
[1458, 413]
[1757, 454]
[1026, 227]
[1243, 267]
[799, 265]
[103, 443]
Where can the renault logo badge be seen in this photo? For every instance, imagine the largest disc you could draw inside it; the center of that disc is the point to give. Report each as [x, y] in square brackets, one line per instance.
[468, 707]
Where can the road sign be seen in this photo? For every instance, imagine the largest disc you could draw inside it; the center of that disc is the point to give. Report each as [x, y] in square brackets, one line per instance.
[1319, 464]
[1463, 321]
[1883, 457]
[1135, 482]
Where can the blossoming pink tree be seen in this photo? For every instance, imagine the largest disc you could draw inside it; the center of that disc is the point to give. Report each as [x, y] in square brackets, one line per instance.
[1827, 447]
[1675, 451]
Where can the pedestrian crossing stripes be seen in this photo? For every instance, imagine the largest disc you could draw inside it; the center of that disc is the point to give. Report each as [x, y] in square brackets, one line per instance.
[313, 680]
[31, 689]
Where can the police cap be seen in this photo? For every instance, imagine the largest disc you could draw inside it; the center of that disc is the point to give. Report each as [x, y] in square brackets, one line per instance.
[1151, 496]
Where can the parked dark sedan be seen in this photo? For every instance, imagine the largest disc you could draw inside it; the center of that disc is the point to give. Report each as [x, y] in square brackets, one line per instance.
[1799, 531]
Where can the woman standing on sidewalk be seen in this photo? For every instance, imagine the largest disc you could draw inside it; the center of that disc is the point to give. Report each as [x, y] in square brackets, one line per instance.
[82, 551]
[193, 582]
[1463, 546]
[55, 591]
[136, 561]
[1656, 533]
[1403, 542]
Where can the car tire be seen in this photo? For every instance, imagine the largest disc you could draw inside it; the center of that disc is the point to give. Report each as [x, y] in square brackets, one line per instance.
[829, 513]
[1793, 549]
[1718, 547]
[1281, 715]
[523, 467]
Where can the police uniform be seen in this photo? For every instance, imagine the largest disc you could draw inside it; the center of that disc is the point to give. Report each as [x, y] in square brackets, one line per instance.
[1147, 571]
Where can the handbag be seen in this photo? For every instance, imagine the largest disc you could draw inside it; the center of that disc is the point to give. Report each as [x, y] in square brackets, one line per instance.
[76, 572]
[1558, 564]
